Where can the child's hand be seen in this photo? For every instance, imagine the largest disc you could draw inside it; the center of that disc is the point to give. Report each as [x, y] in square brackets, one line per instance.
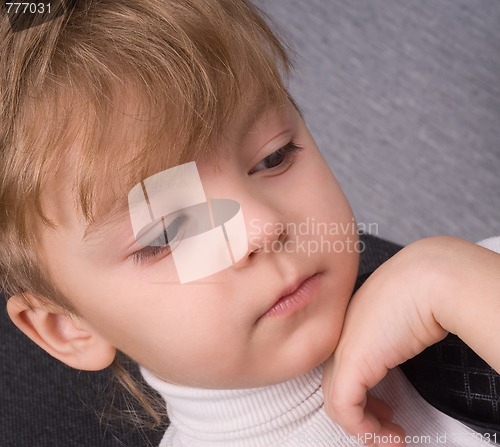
[429, 288]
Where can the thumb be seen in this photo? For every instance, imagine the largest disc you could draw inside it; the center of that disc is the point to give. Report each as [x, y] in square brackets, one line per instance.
[346, 383]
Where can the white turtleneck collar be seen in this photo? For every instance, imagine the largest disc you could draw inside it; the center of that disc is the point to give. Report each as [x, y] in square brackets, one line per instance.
[291, 414]
[241, 418]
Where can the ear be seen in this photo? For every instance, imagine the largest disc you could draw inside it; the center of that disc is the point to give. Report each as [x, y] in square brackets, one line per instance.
[64, 336]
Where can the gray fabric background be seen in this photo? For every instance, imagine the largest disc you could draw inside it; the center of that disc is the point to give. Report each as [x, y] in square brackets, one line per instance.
[403, 98]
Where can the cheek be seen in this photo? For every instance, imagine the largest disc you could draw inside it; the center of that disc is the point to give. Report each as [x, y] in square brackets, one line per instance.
[196, 353]
[179, 338]
[321, 195]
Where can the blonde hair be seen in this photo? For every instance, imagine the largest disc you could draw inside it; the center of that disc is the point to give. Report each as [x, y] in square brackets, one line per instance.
[180, 70]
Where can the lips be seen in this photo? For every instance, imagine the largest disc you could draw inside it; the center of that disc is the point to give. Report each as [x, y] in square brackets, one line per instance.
[293, 296]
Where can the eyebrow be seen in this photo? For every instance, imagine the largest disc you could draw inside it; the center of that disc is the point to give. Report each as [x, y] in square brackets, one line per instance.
[99, 230]
[255, 111]
[258, 107]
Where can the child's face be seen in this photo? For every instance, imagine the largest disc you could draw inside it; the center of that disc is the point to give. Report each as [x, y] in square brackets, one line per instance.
[219, 332]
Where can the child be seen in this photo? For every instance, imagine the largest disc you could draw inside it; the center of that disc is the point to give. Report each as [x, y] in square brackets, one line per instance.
[155, 175]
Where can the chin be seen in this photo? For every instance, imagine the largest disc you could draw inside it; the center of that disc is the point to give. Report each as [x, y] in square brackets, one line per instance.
[322, 349]
[312, 356]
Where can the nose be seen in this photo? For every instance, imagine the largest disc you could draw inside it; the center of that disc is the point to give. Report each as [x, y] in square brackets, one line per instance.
[265, 225]
[264, 215]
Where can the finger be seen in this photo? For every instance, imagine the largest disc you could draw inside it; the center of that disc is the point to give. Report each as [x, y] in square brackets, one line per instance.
[389, 435]
[379, 408]
[346, 402]
[359, 421]
[372, 420]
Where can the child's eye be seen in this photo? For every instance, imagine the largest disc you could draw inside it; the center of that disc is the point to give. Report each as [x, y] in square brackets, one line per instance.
[278, 160]
[164, 243]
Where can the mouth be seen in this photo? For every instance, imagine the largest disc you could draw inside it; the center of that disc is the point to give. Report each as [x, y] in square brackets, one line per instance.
[294, 297]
